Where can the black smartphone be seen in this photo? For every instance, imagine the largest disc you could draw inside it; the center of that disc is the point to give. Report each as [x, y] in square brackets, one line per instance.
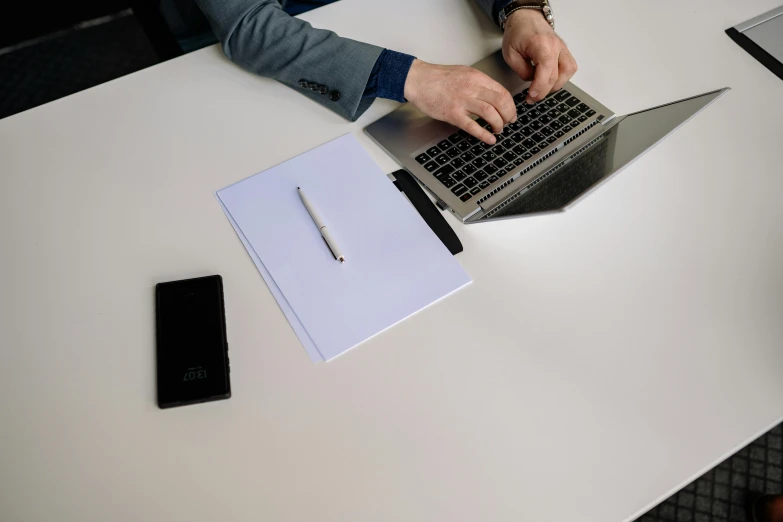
[192, 347]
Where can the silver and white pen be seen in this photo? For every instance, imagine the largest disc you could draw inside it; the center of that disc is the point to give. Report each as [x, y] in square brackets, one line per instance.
[321, 227]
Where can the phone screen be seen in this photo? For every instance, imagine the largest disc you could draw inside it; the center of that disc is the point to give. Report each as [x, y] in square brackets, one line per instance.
[192, 347]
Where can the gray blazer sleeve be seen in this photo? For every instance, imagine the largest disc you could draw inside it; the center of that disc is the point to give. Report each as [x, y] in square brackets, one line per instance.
[259, 36]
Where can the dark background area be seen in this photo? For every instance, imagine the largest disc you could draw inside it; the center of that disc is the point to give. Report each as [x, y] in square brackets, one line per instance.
[28, 20]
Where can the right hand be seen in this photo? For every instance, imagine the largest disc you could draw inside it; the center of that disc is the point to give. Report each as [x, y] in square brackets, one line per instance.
[451, 93]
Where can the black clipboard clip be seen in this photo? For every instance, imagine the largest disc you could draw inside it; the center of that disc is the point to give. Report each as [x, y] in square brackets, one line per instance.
[427, 210]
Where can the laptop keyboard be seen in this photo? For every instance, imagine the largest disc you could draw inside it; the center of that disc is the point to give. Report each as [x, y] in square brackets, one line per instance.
[467, 165]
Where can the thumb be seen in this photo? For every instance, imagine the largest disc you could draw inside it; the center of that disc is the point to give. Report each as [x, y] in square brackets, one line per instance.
[520, 65]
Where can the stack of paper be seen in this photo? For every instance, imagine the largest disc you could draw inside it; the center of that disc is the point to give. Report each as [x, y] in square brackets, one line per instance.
[395, 265]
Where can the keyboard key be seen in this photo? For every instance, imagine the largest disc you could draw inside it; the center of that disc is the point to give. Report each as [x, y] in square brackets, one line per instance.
[521, 110]
[465, 197]
[504, 145]
[442, 159]
[518, 150]
[574, 113]
[422, 158]
[448, 182]
[431, 166]
[468, 157]
[458, 163]
[551, 102]
[481, 175]
[475, 190]
[526, 156]
[524, 120]
[519, 161]
[545, 119]
[554, 113]
[463, 146]
[535, 150]
[546, 131]
[528, 143]
[459, 190]
[469, 169]
[551, 140]
[493, 179]
[455, 138]
[563, 107]
[453, 152]
[573, 101]
[479, 162]
[559, 134]
[481, 122]
[477, 150]
[458, 176]
[515, 125]
[562, 95]
[555, 125]
[470, 182]
[433, 151]
[499, 174]
[509, 156]
[472, 140]
[519, 98]
[536, 125]
[538, 137]
[489, 155]
[583, 118]
[590, 113]
[489, 169]
[500, 163]
[484, 146]
[463, 134]
[516, 138]
[507, 130]
[444, 172]
[564, 119]
[527, 131]
[484, 184]
[582, 107]
[534, 113]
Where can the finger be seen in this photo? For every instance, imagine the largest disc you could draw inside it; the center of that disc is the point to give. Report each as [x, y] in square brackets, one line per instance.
[502, 101]
[470, 126]
[546, 63]
[520, 65]
[487, 111]
[567, 68]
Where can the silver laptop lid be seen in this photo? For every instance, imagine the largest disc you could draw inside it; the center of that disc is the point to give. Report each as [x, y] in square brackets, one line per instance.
[627, 138]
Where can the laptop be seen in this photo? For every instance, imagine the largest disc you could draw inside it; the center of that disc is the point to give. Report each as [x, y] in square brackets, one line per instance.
[762, 37]
[557, 151]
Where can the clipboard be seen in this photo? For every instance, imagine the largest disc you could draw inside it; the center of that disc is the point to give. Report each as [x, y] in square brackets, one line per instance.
[427, 210]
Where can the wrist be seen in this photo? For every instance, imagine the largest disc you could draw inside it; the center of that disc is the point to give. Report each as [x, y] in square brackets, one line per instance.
[526, 17]
[411, 82]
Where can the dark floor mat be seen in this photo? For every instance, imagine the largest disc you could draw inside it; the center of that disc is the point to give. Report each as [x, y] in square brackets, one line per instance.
[72, 62]
[719, 495]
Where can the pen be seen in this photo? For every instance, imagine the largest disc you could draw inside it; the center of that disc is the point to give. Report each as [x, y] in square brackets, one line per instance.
[321, 227]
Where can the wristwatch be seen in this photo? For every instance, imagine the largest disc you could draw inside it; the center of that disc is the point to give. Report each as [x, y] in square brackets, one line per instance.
[515, 5]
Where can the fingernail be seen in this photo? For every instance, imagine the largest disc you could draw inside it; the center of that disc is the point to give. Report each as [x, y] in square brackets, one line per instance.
[515, 119]
[492, 140]
[533, 94]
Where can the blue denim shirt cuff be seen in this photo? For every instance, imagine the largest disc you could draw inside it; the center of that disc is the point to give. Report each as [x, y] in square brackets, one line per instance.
[387, 79]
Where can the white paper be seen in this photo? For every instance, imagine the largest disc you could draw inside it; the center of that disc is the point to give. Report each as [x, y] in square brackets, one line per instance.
[293, 320]
[395, 265]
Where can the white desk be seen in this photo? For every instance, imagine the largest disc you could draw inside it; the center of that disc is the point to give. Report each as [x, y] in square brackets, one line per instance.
[602, 358]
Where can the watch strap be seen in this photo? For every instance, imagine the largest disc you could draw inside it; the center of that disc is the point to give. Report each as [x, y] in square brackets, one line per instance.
[515, 5]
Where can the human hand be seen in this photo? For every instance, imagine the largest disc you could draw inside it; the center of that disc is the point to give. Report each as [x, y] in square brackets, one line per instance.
[529, 38]
[451, 93]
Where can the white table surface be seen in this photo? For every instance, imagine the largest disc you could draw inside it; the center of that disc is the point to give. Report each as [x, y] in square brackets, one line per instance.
[601, 360]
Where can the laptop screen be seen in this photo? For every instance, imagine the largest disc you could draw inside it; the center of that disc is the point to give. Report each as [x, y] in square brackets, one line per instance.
[606, 155]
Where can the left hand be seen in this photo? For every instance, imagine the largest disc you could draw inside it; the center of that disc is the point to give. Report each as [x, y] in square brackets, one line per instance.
[530, 38]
